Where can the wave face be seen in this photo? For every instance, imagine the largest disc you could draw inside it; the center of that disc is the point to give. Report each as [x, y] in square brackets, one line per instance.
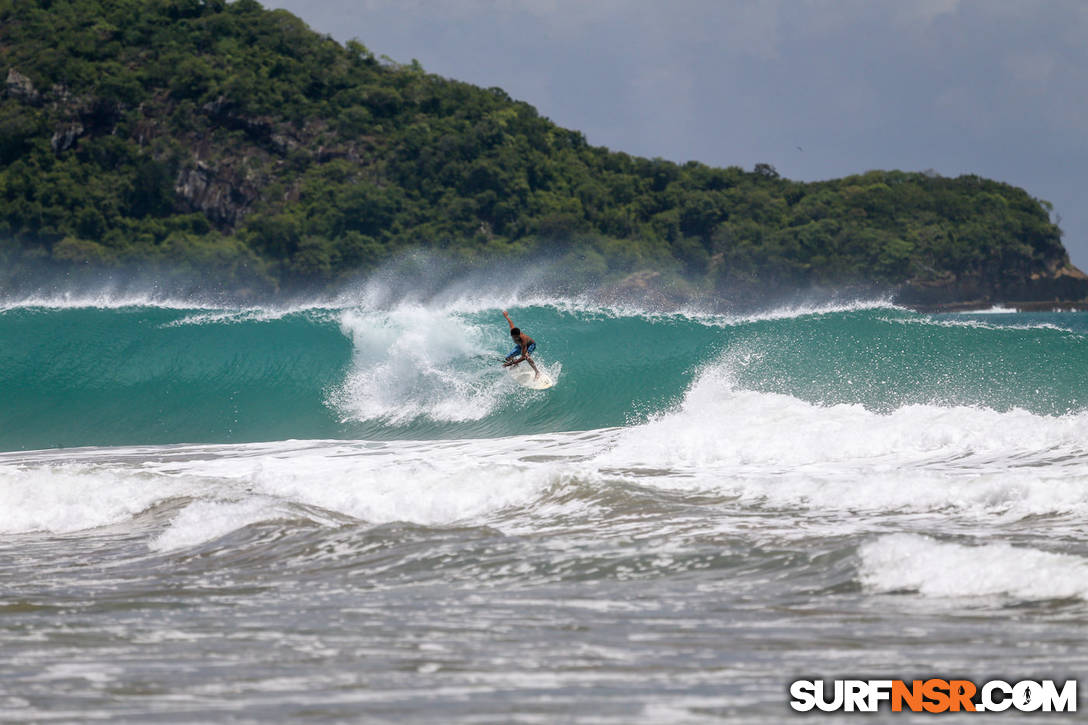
[77, 375]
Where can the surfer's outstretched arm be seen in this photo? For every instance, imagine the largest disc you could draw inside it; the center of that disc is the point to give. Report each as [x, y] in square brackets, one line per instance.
[508, 320]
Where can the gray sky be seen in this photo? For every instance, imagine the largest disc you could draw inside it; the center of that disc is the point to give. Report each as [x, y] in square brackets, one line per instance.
[993, 87]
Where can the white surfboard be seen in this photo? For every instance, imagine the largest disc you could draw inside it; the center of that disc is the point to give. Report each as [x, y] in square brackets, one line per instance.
[523, 375]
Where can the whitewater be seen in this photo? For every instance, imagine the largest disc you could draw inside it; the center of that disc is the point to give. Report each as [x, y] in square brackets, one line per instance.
[345, 510]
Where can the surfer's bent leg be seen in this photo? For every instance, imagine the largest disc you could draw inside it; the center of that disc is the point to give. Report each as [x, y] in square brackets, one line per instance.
[532, 346]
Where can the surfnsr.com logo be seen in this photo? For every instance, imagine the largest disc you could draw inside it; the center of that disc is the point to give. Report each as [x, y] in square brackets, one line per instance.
[933, 695]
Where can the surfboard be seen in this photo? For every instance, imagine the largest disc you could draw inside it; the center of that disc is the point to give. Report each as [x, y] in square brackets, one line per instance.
[523, 375]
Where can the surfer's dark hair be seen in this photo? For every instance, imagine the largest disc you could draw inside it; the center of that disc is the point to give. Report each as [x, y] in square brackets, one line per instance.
[515, 331]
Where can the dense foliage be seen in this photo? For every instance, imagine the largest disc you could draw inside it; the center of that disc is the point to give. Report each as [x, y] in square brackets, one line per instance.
[201, 135]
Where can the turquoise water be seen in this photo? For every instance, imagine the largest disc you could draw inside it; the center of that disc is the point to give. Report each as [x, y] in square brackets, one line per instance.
[77, 376]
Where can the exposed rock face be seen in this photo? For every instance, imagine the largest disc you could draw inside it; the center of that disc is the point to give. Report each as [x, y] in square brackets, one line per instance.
[1065, 284]
[223, 112]
[222, 183]
[84, 117]
[1068, 283]
[78, 115]
[19, 86]
[221, 197]
[100, 116]
[65, 136]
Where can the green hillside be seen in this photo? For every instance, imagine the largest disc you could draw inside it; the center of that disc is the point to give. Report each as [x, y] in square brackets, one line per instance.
[200, 137]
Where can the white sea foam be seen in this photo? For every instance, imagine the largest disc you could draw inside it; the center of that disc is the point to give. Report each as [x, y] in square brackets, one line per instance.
[976, 324]
[63, 498]
[787, 452]
[789, 312]
[253, 314]
[427, 483]
[203, 521]
[912, 563]
[718, 424]
[471, 482]
[994, 310]
[471, 295]
[413, 363]
[234, 492]
[432, 483]
[588, 305]
[421, 484]
[109, 298]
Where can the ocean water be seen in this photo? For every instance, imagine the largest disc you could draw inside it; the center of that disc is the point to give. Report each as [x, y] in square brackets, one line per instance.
[347, 511]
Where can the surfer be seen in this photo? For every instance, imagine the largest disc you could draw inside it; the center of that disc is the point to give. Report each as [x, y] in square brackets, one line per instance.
[525, 346]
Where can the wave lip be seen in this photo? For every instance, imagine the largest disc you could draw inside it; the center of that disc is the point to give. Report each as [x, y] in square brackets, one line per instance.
[936, 569]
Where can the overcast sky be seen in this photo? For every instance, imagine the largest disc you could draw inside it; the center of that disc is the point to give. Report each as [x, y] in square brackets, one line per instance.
[818, 88]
